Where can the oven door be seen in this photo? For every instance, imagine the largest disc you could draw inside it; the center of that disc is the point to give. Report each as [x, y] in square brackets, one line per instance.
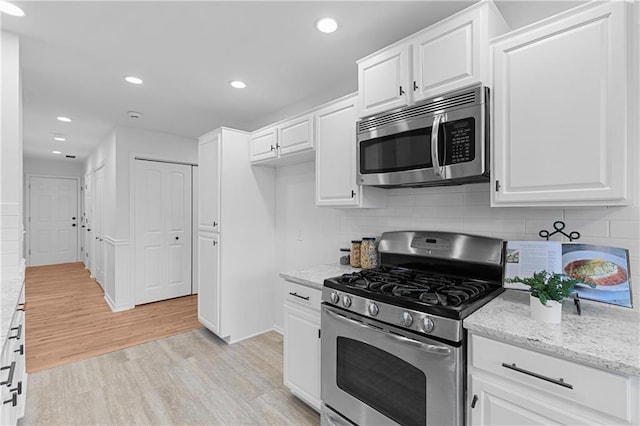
[377, 374]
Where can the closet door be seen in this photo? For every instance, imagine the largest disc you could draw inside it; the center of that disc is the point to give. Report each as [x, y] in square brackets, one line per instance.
[162, 205]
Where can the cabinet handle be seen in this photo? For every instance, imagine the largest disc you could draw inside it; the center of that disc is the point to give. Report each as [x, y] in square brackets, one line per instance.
[215, 223]
[17, 389]
[12, 369]
[13, 400]
[20, 350]
[353, 193]
[18, 334]
[215, 243]
[415, 86]
[401, 91]
[277, 146]
[497, 185]
[301, 297]
[474, 401]
[22, 306]
[559, 382]
[272, 148]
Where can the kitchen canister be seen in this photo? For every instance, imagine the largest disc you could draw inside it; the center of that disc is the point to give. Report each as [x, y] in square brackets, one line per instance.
[365, 250]
[355, 253]
[372, 254]
[344, 256]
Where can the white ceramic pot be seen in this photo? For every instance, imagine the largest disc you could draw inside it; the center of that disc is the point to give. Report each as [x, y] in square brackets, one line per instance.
[550, 313]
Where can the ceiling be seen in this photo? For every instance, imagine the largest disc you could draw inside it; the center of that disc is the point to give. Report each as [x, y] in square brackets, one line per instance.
[75, 55]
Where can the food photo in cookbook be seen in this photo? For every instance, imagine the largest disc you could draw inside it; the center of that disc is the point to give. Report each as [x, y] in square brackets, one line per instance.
[603, 272]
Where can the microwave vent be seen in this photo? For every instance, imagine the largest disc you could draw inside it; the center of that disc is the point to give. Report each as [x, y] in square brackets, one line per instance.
[429, 107]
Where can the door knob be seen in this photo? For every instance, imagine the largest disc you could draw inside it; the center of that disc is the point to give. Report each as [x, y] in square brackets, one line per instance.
[73, 224]
[73, 218]
[177, 238]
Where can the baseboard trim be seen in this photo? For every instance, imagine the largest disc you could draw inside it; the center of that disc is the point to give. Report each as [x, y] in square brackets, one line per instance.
[278, 329]
[113, 306]
[233, 341]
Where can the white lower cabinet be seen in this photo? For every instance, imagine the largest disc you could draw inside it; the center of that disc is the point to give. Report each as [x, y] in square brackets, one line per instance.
[302, 343]
[13, 375]
[208, 276]
[511, 385]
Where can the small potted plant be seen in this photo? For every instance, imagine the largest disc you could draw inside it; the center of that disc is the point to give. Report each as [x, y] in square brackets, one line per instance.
[547, 292]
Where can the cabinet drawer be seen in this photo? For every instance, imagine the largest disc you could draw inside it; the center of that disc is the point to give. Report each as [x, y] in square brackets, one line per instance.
[597, 389]
[302, 295]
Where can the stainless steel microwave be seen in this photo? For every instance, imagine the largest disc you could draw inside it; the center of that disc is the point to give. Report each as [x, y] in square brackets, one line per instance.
[441, 141]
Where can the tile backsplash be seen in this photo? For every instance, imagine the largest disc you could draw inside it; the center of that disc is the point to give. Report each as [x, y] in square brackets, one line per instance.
[467, 209]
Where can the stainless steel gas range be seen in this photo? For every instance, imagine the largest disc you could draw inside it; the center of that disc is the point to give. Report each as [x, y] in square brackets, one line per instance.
[393, 346]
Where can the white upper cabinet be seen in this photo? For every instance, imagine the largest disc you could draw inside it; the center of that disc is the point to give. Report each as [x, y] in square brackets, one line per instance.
[295, 135]
[561, 102]
[287, 142]
[336, 158]
[209, 182]
[263, 144]
[448, 55]
[383, 80]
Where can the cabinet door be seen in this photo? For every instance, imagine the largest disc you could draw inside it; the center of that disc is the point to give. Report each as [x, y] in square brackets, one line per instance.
[209, 184]
[336, 155]
[560, 111]
[498, 403]
[302, 354]
[447, 57]
[263, 145]
[209, 282]
[296, 135]
[383, 80]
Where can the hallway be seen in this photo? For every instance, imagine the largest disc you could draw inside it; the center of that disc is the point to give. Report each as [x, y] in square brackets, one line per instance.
[67, 318]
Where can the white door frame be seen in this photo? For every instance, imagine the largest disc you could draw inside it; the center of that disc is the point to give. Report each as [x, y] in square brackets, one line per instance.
[133, 156]
[27, 217]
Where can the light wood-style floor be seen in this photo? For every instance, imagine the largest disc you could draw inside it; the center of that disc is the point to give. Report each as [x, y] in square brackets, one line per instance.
[67, 318]
[187, 379]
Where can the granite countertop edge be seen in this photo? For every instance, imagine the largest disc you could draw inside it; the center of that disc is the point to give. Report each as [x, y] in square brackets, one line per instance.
[314, 276]
[575, 339]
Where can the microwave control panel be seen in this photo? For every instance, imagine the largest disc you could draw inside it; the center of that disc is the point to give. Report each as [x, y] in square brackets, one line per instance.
[460, 135]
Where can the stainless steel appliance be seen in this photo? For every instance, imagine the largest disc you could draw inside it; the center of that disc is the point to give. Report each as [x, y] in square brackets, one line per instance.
[393, 347]
[441, 141]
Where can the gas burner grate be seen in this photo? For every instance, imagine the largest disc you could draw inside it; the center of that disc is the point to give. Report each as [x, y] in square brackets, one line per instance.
[430, 289]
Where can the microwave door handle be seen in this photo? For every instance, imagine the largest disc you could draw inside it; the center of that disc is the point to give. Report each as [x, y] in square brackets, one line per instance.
[434, 144]
[443, 169]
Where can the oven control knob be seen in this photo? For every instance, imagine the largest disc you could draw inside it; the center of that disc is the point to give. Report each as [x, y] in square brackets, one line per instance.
[407, 319]
[335, 298]
[373, 309]
[427, 324]
[346, 301]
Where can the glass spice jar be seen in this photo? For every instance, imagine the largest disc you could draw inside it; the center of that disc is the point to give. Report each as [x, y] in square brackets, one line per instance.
[344, 256]
[372, 254]
[355, 253]
[364, 249]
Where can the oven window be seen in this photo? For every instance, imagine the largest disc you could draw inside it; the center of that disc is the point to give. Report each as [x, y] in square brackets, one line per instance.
[405, 151]
[383, 381]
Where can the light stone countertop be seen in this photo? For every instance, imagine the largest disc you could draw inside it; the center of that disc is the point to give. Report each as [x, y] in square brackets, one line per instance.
[603, 336]
[314, 277]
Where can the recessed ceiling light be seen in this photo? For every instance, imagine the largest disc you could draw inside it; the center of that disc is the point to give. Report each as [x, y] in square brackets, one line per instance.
[64, 119]
[56, 152]
[10, 9]
[327, 25]
[133, 80]
[238, 84]
[59, 138]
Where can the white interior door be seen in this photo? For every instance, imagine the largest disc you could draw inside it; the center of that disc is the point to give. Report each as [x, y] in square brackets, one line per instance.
[162, 203]
[98, 229]
[53, 217]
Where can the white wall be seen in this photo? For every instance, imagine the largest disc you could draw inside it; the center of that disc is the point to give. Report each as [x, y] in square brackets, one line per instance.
[306, 235]
[11, 183]
[52, 167]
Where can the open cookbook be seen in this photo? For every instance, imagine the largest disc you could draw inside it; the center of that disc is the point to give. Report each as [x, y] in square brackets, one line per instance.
[606, 268]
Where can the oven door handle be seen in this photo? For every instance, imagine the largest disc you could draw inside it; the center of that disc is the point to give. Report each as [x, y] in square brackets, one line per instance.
[432, 349]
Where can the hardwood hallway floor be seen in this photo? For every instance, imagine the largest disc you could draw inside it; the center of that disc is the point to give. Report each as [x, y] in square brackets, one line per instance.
[67, 318]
